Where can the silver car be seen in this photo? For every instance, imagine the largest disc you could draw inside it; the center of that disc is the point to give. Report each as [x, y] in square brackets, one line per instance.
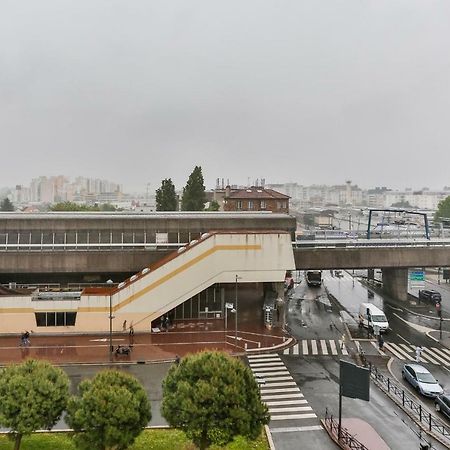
[421, 379]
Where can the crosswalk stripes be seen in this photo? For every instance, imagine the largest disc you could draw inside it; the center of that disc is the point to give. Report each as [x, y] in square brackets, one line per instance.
[431, 355]
[321, 347]
[282, 395]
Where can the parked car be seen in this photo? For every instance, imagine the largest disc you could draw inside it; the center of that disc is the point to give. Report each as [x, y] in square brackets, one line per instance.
[442, 404]
[422, 380]
[430, 295]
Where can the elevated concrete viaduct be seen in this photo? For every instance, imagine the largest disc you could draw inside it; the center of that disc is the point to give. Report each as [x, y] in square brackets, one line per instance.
[393, 262]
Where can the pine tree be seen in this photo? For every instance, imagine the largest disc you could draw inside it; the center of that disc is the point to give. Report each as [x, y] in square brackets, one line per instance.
[194, 198]
[166, 197]
[33, 396]
[6, 205]
[110, 412]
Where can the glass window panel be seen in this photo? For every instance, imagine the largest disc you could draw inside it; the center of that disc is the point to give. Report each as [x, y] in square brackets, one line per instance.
[71, 318]
[51, 319]
[40, 319]
[60, 316]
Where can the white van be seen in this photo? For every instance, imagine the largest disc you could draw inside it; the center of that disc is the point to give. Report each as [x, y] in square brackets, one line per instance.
[370, 316]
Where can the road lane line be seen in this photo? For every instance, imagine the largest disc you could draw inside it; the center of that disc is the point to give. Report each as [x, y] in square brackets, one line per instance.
[290, 409]
[301, 401]
[333, 347]
[393, 351]
[293, 416]
[305, 347]
[343, 348]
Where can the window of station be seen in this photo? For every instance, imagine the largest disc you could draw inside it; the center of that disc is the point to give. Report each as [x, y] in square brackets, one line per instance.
[56, 319]
[208, 303]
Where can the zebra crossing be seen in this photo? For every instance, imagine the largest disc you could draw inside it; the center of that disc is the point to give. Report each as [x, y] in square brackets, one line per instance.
[287, 405]
[317, 347]
[407, 352]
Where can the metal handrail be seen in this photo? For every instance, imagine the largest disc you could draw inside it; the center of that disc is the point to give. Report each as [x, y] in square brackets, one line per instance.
[345, 438]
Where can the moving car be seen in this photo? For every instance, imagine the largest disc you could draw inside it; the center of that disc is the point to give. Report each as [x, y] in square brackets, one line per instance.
[430, 295]
[442, 404]
[422, 380]
[371, 316]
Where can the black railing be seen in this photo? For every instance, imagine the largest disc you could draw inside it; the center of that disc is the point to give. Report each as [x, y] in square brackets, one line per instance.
[429, 422]
[346, 439]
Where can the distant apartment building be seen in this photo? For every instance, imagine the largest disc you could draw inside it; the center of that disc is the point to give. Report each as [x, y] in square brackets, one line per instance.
[60, 189]
[256, 198]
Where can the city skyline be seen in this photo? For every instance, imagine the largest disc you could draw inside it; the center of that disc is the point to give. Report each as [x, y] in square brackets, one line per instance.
[307, 92]
[150, 187]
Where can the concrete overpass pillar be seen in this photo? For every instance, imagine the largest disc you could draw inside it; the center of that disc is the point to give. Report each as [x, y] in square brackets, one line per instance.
[370, 274]
[395, 283]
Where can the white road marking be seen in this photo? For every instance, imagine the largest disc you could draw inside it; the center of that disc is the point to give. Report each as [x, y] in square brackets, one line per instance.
[333, 347]
[305, 347]
[323, 345]
[314, 347]
[293, 416]
[343, 348]
[394, 352]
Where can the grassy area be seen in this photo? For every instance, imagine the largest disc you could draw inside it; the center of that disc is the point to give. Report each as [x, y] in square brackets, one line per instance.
[148, 440]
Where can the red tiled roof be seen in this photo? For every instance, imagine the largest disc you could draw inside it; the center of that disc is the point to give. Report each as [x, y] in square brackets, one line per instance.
[259, 193]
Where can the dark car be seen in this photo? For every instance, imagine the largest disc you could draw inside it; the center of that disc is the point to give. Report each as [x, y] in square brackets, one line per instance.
[442, 404]
[430, 295]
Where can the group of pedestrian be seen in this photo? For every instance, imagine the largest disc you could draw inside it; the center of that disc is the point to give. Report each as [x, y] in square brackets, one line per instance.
[165, 322]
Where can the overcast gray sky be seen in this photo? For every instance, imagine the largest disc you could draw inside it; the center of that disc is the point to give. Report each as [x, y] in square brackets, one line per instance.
[303, 91]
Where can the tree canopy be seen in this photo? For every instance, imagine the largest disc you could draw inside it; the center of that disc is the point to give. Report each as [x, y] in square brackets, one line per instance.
[6, 205]
[166, 197]
[110, 412]
[71, 206]
[213, 397]
[194, 198]
[33, 396]
[443, 210]
[213, 206]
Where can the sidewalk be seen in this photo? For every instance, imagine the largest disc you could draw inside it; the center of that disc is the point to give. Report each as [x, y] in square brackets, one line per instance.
[182, 338]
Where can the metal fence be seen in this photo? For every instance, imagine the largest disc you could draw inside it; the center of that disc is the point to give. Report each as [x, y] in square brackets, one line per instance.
[429, 422]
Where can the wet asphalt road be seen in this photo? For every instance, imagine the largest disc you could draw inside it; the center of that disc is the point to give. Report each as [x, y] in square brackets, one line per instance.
[318, 376]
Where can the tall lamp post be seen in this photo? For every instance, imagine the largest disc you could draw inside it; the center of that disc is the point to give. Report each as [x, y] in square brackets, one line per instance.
[236, 308]
[110, 282]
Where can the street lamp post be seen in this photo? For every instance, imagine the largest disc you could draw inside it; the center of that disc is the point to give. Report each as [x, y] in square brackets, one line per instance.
[236, 308]
[109, 282]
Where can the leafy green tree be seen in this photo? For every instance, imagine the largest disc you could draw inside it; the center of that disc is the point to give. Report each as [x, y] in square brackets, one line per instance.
[194, 198]
[6, 205]
[166, 197]
[213, 397]
[213, 206]
[402, 204]
[32, 397]
[443, 210]
[71, 206]
[110, 412]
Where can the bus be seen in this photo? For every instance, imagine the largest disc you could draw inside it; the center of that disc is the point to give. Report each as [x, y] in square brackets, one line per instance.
[313, 278]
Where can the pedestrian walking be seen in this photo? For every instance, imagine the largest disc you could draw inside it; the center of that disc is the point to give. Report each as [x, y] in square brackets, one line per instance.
[167, 323]
[418, 353]
[124, 326]
[131, 334]
[380, 342]
[163, 322]
[177, 360]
